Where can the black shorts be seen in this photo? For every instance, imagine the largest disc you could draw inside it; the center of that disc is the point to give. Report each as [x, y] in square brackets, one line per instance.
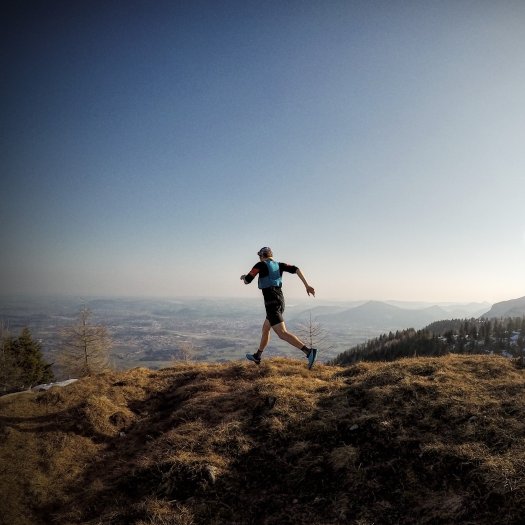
[274, 304]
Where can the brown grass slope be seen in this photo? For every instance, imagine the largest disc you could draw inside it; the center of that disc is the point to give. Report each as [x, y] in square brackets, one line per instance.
[424, 440]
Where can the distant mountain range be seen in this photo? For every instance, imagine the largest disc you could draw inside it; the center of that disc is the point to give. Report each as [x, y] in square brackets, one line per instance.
[512, 308]
[392, 315]
[388, 316]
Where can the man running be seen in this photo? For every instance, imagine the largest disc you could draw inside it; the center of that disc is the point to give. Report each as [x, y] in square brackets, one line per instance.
[270, 281]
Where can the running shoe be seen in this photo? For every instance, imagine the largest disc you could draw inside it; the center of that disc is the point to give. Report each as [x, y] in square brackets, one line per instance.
[254, 358]
[312, 356]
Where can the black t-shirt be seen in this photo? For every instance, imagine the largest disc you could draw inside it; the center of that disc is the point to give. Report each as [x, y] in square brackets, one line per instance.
[261, 269]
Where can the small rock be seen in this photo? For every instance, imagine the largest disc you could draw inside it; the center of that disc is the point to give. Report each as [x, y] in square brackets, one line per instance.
[211, 474]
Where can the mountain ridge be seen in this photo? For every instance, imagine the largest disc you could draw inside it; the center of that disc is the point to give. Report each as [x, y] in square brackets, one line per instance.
[415, 441]
[510, 308]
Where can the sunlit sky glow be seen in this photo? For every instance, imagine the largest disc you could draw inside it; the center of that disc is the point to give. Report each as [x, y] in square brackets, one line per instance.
[151, 148]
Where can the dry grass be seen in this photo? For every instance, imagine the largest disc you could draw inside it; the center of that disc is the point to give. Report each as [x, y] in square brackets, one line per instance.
[436, 440]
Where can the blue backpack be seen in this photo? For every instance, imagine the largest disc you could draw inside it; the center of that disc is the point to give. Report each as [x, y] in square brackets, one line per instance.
[274, 275]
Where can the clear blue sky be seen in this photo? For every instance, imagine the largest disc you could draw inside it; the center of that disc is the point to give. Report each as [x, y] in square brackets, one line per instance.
[151, 148]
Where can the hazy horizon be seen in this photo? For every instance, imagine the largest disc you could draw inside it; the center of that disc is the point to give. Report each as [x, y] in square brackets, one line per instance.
[290, 300]
[150, 149]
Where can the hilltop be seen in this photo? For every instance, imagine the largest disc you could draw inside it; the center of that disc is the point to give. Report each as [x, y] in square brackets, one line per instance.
[415, 441]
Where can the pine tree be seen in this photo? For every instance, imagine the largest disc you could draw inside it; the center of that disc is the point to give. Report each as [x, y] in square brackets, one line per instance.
[22, 363]
[30, 360]
[10, 373]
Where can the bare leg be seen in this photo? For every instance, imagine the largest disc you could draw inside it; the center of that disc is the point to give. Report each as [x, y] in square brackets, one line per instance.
[265, 337]
[280, 330]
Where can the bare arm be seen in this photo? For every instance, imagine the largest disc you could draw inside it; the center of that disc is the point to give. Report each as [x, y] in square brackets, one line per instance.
[309, 289]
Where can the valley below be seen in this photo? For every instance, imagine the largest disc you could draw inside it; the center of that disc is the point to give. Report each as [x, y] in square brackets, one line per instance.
[154, 333]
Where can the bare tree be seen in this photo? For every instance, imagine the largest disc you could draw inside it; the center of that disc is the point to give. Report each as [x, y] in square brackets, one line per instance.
[313, 333]
[186, 351]
[85, 346]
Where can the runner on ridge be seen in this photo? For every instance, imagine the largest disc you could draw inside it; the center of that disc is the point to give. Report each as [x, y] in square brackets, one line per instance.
[270, 281]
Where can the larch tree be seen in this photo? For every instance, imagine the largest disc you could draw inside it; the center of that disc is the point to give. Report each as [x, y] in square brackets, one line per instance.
[85, 346]
[314, 334]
